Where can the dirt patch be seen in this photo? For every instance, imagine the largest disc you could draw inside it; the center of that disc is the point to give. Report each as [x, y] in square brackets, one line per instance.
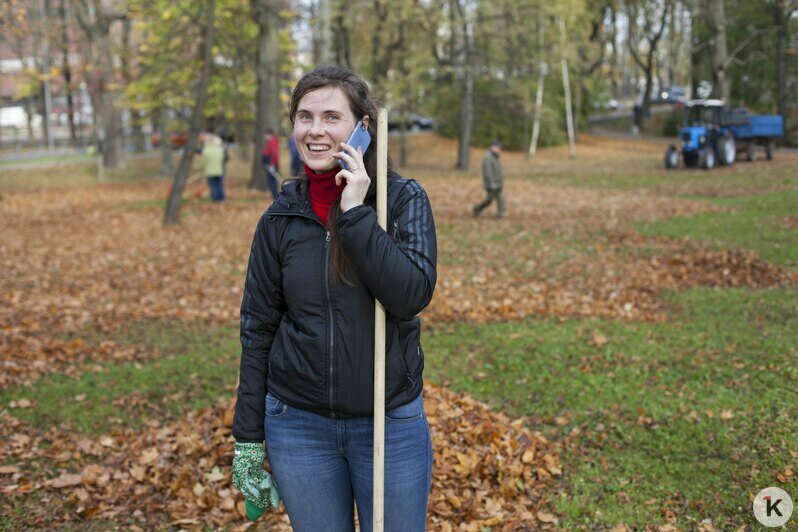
[791, 222]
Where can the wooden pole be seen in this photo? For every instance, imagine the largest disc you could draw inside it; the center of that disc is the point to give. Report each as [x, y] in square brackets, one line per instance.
[544, 69]
[379, 334]
[569, 117]
[533, 145]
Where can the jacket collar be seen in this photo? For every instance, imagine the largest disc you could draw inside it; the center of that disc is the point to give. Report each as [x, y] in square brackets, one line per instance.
[292, 199]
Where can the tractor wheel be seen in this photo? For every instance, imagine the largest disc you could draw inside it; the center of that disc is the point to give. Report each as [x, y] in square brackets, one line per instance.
[671, 157]
[709, 159]
[750, 150]
[727, 150]
[770, 149]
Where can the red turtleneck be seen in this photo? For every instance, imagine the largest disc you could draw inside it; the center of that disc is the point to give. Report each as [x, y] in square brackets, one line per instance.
[323, 191]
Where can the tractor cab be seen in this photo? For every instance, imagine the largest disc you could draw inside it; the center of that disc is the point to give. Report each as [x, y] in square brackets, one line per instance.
[704, 137]
[702, 118]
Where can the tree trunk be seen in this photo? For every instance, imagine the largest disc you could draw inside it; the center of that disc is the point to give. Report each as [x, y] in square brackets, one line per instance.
[268, 75]
[642, 109]
[343, 28]
[165, 147]
[113, 141]
[466, 119]
[41, 108]
[324, 46]
[29, 118]
[97, 32]
[467, 94]
[172, 214]
[716, 20]
[127, 71]
[67, 72]
[781, 19]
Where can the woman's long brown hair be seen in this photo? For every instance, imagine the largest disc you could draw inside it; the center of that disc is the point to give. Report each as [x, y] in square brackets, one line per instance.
[362, 104]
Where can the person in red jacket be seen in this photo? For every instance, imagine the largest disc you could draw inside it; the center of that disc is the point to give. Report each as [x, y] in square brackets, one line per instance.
[270, 158]
[318, 260]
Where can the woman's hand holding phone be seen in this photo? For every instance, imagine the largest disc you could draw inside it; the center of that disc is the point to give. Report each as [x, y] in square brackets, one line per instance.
[357, 180]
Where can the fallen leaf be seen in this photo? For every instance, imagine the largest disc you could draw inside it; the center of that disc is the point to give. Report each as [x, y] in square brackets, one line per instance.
[66, 480]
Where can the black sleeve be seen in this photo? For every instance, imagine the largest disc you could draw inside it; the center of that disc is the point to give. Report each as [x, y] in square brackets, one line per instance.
[401, 274]
[262, 307]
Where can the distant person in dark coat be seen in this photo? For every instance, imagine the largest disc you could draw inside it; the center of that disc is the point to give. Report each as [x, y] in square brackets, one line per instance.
[493, 179]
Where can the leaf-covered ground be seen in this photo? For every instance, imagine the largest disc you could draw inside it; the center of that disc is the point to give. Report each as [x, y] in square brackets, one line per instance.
[82, 262]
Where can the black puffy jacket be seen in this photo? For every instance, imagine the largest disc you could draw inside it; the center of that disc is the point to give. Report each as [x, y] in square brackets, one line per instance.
[309, 339]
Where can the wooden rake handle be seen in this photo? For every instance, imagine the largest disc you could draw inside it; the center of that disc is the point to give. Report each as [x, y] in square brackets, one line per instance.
[379, 334]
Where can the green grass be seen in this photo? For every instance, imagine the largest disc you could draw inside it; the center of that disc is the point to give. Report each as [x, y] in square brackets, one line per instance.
[70, 175]
[196, 367]
[649, 173]
[71, 157]
[755, 223]
[651, 402]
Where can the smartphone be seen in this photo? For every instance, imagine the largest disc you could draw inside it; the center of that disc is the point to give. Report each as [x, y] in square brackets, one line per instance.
[359, 138]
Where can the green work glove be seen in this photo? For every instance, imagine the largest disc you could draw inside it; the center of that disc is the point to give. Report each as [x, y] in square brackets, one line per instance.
[252, 480]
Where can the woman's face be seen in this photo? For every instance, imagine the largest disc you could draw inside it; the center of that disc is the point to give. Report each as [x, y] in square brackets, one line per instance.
[322, 123]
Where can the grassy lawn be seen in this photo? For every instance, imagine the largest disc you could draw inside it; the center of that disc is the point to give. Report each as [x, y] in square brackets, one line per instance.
[686, 419]
[197, 366]
[671, 422]
[690, 416]
[68, 157]
[756, 222]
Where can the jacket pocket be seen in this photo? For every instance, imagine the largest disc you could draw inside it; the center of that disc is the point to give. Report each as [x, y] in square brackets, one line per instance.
[412, 356]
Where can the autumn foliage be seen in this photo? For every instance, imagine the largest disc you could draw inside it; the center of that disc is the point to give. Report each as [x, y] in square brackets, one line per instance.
[98, 258]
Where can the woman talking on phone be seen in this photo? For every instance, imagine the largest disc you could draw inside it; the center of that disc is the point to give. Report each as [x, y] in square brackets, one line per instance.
[317, 262]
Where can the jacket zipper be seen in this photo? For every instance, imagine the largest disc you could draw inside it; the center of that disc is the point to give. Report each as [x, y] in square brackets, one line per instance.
[330, 322]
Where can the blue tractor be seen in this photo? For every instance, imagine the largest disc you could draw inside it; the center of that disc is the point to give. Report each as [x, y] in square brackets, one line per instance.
[713, 134]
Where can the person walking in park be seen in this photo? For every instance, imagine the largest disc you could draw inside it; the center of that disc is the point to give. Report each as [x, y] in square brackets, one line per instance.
[492, 179]
[270, 159]
[213, 159]
[318, 260]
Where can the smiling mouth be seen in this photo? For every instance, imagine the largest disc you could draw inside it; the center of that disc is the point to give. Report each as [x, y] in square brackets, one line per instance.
[318, 148]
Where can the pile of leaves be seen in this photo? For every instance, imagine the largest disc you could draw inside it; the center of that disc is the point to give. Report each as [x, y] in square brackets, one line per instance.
[488, 471]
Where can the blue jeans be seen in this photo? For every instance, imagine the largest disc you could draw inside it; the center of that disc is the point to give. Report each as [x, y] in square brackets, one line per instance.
[216, 183]
[322, 466]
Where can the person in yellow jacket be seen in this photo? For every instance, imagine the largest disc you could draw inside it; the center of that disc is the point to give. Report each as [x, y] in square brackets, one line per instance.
[213, 166]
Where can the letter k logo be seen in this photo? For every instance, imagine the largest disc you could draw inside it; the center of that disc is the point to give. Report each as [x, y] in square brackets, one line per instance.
[772, 507]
